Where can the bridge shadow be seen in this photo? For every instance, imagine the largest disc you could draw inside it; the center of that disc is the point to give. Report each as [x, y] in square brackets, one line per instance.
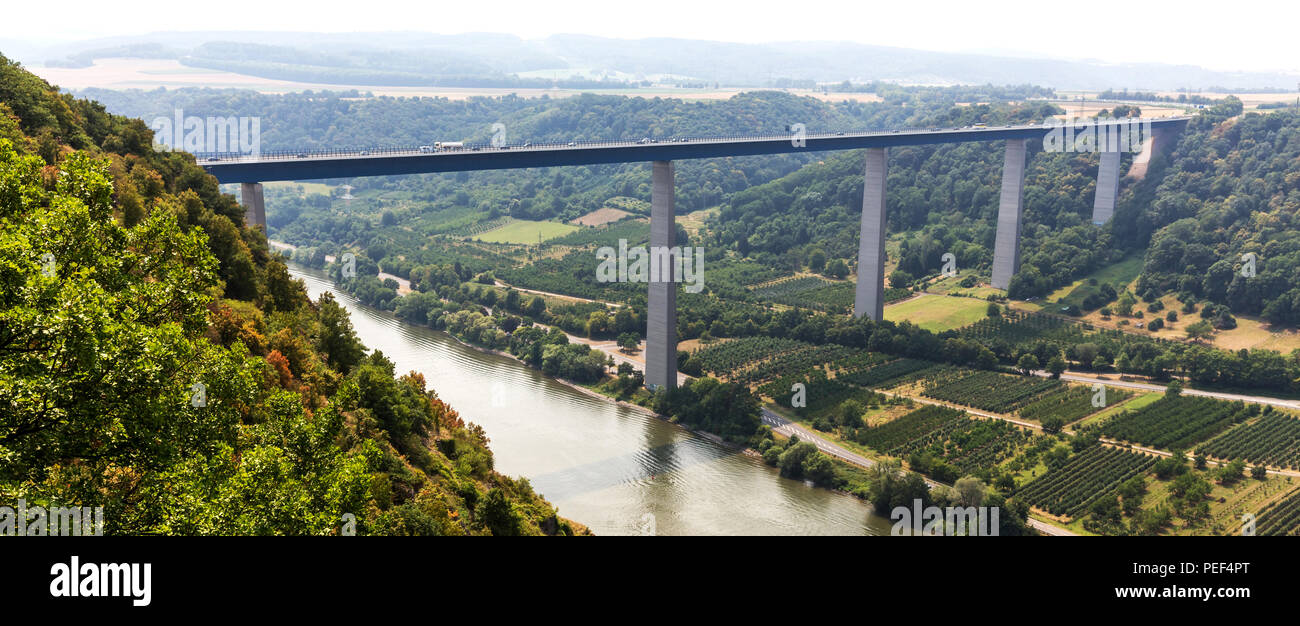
[643, 467]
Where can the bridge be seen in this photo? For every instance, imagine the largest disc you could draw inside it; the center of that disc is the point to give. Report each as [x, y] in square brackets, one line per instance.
[661, 335]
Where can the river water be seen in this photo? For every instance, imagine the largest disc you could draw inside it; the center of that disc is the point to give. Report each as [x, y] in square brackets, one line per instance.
[617, 470]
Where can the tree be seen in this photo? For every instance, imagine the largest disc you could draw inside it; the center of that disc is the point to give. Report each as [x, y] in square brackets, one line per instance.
[512, 300]
[1124, 306]
[993, 310]
[971, 491]
[816, 260]
[338, 340]
[536, 306]
[792, 460]
[1056, 457]
[629, 342]
[1056, 366]
[819, 468]
[1086, 353]
[1198, 331]
[497, 514]
[1027, 364]
[1232, 472]
[837, 269]
[1053, 424]
[850, 413]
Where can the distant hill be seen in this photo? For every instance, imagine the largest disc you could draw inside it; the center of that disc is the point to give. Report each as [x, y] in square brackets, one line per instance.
[477, 59]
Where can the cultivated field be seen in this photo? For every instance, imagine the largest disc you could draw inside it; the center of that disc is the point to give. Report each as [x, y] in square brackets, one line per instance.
[600, 216]
[526, 232]
[938, 313]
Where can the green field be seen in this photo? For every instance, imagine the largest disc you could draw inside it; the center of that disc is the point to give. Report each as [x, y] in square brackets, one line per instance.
[307, 188]
[1119, 275]
[938, 313]
[1131, 405]
[525, 231]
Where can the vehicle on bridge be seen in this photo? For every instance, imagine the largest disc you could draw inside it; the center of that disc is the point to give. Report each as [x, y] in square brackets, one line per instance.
[449, 145]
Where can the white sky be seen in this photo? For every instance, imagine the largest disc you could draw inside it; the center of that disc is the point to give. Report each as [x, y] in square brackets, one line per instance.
[1260, 36]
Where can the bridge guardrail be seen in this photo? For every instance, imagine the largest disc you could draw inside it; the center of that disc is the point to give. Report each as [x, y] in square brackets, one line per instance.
[233, 157]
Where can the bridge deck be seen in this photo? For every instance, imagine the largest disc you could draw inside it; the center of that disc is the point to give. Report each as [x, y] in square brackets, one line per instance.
[391, 162]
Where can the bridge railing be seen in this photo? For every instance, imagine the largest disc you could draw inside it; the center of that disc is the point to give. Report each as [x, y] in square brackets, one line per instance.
[227, 157]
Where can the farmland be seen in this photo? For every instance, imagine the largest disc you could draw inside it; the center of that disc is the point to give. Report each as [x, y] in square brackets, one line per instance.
[634, 231]
[1176, 422]
[1016, 327]
[733, 355]
[821, 396]
[1087, 476]
[885, 374]
[1070, 404]
[1273, 439]
[945, 443]
[938, 313]
[990, 391]
[755, 360]
[809, 291]
[526, 232]
[1282, 518]
[901, 435]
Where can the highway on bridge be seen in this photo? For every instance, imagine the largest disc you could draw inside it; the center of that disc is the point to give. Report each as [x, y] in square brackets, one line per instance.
[313, 165]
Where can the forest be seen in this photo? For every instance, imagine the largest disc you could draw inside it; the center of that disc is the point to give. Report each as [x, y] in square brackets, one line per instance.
[158, 361]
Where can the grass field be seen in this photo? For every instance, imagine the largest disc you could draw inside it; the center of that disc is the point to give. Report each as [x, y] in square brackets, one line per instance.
[693, 222]
[1121, 273]
[307, 188]
[938, 313]
[526, 232]
[1133, 404]
[952, 286]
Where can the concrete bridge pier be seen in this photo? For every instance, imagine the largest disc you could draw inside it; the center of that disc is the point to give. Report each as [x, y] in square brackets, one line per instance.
[1103, 204]
[250, 195]
[869, 298]
[661, 305]
[1006, 248]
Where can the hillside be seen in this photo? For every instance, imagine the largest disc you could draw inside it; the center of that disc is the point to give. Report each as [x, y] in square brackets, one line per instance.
[585, 61]
[157, 361]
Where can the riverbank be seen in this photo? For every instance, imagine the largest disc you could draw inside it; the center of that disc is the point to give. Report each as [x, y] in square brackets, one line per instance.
[597, 394]
[600, 463]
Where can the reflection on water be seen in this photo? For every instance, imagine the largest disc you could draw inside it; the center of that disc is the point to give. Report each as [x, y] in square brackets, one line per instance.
[607, 466]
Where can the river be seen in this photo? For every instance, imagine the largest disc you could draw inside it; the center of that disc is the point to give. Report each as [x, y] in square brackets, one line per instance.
[619, 471]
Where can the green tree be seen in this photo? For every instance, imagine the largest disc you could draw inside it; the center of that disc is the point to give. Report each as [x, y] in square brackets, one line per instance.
[338, 340]
[1056, 366]
[1027, 363]
[816, 260]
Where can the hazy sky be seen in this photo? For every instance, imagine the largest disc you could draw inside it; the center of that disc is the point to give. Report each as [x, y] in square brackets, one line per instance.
[1259, 36]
